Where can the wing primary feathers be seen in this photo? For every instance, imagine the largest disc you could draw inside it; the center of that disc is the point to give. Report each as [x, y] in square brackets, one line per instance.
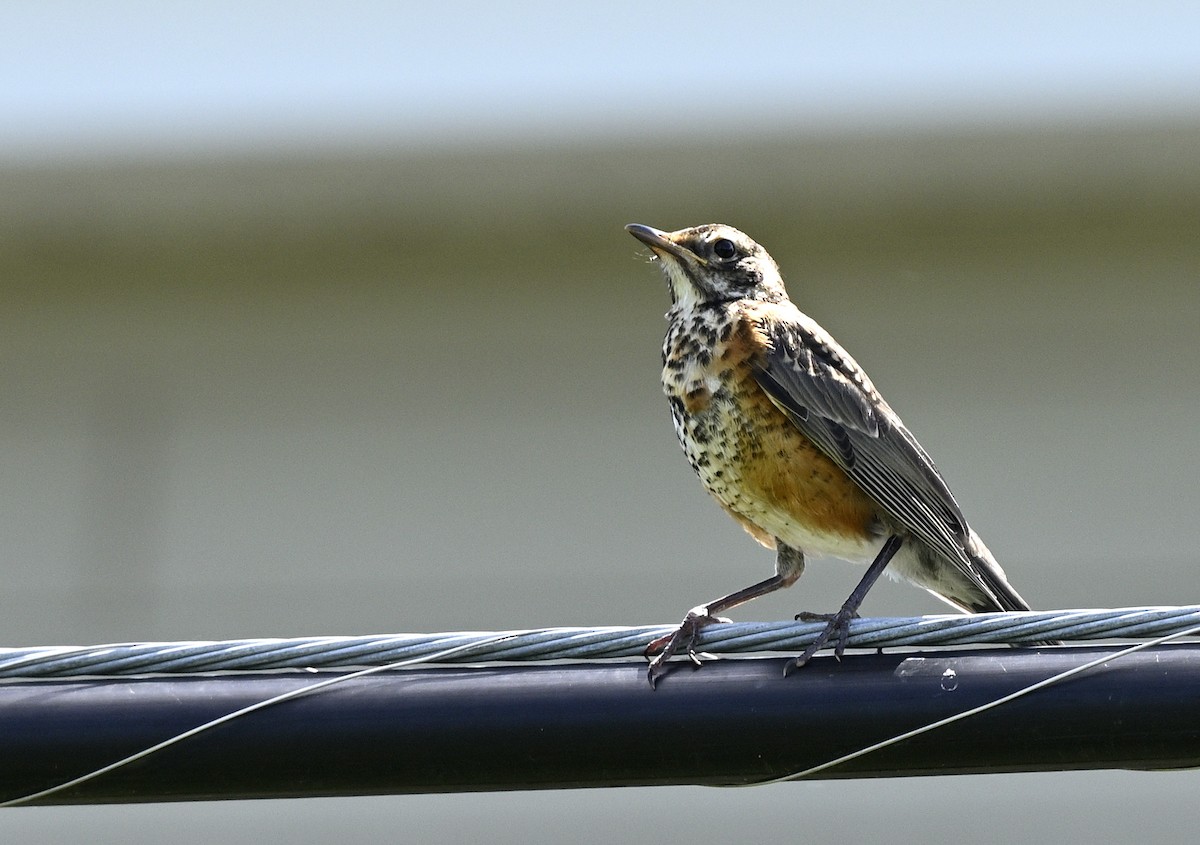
[832, 402]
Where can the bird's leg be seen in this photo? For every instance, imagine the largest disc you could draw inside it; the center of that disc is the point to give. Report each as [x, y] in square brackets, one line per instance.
[839, 623]
[789, 564]
[684, 637]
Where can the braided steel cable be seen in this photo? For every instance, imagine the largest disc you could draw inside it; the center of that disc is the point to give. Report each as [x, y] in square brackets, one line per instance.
[551, 644]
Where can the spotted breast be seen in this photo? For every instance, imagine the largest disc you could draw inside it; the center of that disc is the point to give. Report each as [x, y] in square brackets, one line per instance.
[748, 454]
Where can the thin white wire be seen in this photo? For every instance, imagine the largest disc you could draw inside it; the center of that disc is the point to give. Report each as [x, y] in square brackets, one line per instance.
[974, 711]
[237, 714]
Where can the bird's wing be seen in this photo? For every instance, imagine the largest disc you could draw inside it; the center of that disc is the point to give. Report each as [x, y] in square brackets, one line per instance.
[831, 400]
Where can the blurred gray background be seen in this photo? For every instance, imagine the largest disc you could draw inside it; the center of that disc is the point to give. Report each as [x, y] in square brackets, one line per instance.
[321, 320]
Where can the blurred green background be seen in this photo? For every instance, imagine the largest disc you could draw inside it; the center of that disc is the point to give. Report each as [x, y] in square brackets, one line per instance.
[407, 380]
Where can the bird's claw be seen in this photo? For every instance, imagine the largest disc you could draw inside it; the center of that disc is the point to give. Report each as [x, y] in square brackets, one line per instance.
[836, 629]
[682, 638]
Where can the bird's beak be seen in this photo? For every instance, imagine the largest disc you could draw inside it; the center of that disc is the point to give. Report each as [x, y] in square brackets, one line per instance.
[663, 244]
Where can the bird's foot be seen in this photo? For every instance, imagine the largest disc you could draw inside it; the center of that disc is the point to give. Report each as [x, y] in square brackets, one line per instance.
[682, 638]
[836, 629]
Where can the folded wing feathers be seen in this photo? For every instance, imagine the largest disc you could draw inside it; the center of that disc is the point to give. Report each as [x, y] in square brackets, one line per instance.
[831, 401]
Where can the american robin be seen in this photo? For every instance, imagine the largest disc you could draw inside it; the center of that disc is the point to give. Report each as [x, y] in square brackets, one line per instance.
[789, 435]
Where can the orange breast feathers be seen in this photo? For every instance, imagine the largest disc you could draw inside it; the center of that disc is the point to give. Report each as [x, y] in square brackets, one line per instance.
[783, 474]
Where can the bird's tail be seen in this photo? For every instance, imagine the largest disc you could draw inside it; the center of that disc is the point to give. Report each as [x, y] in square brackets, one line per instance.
[993, 592]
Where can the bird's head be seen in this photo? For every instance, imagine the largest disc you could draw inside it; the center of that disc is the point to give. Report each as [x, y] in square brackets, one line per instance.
[712, 263]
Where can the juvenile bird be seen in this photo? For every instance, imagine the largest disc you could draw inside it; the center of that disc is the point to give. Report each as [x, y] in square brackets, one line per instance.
[789, 435]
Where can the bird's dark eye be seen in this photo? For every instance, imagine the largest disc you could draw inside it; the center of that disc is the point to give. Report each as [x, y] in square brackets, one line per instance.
[724, 249]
